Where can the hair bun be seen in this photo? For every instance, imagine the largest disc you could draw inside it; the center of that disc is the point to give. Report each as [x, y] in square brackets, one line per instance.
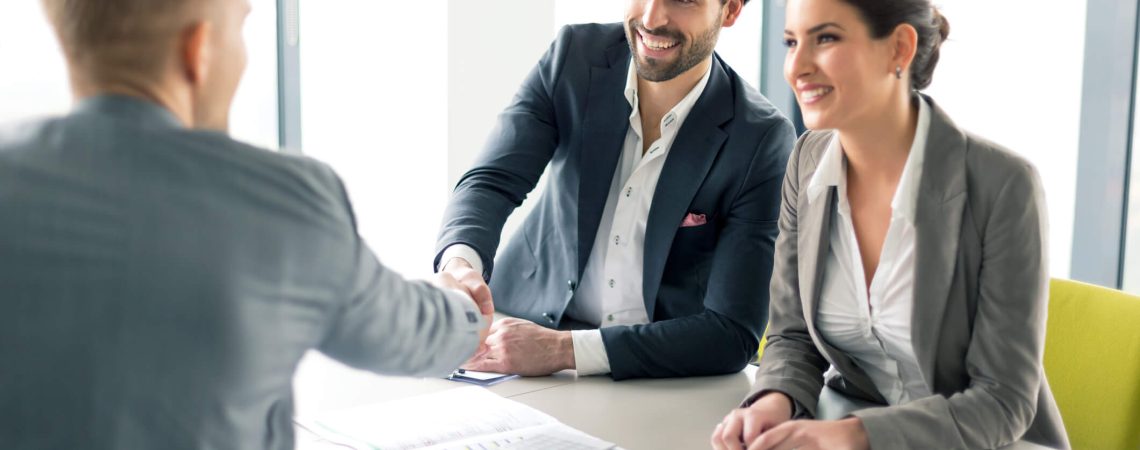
[943, 25]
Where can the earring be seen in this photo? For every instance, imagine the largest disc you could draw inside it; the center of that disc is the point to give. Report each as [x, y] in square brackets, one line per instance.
[898, 72]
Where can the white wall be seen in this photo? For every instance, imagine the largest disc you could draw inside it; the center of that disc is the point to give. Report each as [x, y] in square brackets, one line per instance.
[1011, 72]
[374, 107]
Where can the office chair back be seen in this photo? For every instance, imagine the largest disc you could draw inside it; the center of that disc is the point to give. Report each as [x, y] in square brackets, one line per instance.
[1092, 360]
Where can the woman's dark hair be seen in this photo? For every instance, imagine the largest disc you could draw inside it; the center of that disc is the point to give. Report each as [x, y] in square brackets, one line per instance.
[883, 16]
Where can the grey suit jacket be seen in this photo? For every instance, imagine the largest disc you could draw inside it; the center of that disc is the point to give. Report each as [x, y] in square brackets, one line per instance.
[159, 285]
[981, 291]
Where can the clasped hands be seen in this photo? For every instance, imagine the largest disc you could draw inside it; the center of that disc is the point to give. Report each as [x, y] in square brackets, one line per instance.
[767, 425]
[510, 345]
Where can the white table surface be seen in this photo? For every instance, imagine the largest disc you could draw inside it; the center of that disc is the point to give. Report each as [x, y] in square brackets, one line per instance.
[675, 413]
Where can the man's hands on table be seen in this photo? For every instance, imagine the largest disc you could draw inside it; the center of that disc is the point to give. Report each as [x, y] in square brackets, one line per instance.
[517, 346]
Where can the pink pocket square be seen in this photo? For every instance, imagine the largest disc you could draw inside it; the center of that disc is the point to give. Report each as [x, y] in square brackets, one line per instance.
[693, 220]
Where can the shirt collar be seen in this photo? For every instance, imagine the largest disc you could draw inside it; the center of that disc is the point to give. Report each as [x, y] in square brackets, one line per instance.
[905, 201]
[832, 172]
[129, 108]
[679, 112]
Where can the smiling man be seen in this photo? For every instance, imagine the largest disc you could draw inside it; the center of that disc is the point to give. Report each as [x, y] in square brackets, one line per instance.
[650, 251]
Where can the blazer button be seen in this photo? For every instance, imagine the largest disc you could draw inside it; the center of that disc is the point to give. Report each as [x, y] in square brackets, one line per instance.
[548, 317]
[571, 284]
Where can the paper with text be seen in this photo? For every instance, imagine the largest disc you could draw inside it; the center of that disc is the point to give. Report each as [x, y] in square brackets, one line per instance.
[463, 418]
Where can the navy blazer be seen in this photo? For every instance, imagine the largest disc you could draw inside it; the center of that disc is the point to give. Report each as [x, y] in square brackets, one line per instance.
[705, 287]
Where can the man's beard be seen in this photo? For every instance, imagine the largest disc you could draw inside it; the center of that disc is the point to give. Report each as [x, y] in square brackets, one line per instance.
[651, 69]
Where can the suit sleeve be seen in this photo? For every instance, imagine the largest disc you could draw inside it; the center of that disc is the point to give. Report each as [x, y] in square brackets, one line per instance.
[791, 364]
[724, 337]
[1004, 357]
[393, 326]
[516, 154]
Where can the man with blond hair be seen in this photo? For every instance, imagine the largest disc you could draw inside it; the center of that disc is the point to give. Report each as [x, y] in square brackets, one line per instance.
[159, 280]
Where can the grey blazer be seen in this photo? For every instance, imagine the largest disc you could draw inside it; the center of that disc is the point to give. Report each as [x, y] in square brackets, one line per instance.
[981, 291]
[159, 285]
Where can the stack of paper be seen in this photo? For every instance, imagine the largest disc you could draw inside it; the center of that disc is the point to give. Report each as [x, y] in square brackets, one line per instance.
[463, 418]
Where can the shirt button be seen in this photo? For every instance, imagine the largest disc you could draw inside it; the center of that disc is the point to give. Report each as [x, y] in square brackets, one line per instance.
[610, 318]
[617, 240]
[628, 191]
[611, 282]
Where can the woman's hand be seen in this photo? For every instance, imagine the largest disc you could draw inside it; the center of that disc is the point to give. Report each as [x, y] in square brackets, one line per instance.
[846, 434]
[742, 426]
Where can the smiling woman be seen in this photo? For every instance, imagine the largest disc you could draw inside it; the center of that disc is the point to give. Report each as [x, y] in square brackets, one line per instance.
[888, 198]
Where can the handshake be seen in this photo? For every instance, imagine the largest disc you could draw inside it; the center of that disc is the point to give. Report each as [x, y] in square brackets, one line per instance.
[511, 345]
[458, 274]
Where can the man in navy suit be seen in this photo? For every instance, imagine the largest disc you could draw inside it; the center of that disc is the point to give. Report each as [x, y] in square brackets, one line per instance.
[650, 251]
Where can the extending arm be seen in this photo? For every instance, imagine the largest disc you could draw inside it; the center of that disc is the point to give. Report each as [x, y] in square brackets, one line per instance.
[517, 152]
[389, 325]
[791, 364]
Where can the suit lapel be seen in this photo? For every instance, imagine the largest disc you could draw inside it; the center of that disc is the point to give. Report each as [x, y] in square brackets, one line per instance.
[814, 236]
[814, 243]
[938, 224]
[603, 135]
[694, 150]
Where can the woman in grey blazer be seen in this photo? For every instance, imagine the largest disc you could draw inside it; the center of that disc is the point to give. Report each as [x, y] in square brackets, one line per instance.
[910, 268]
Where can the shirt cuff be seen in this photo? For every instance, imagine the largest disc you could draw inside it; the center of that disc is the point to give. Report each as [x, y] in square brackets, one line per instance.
[468, 318]
[464, 252]
[590, 356]
[798, 410]
[463, 322]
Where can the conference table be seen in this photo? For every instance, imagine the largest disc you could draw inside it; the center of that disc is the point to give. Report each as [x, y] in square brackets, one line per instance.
[673, 413]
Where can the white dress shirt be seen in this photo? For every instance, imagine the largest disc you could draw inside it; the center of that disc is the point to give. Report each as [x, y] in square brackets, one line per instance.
[873, 328]
[610, 292]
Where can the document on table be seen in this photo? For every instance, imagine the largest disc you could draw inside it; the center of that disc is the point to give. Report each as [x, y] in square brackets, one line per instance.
[460, 419]
[480, 378]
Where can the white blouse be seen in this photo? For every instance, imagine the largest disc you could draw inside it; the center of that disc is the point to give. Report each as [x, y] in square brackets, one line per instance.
[873, 328]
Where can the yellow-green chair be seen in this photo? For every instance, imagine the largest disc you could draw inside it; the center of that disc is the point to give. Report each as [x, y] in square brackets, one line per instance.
[763, 342]
[1092, 360]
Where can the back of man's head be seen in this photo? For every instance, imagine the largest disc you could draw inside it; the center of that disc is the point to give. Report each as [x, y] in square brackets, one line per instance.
[185, 54]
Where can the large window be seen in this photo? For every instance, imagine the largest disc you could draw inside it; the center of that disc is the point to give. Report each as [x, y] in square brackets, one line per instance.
[1130, 279]
[1021, 89]
[34, 82]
